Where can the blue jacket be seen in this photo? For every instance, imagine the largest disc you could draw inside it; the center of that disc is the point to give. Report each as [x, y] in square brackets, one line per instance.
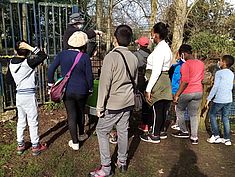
[81, 80]
[175, 82]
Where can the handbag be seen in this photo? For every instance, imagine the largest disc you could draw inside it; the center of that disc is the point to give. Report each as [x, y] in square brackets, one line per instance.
[138, 96]
[58, 89]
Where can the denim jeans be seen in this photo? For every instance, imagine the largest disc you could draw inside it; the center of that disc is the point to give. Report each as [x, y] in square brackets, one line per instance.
[191, 102]
[224, 108]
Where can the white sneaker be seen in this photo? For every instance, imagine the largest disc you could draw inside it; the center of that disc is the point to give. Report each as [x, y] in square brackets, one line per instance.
[82, 137]
[227, 142]
[175, 127]
[214, 139]
[73, 146]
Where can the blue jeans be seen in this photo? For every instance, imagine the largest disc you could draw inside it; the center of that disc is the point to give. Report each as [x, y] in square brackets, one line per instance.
[224, 108]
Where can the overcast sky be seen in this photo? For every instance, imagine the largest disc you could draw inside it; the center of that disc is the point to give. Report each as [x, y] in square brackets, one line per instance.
[231, 2]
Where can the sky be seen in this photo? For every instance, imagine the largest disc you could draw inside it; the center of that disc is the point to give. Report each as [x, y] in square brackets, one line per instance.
[231, 2]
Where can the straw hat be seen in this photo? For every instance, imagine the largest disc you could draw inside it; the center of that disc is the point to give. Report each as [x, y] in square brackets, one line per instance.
[78, 39]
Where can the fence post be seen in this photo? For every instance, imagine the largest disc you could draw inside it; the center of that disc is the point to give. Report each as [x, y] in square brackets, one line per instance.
[1, 104]
[1, 90]
[24, 21]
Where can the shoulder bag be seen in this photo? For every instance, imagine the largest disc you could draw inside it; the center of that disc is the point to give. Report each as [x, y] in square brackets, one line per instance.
[58, 89]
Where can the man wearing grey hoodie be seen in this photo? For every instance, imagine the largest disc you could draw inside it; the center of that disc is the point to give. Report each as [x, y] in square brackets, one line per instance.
[142, 54]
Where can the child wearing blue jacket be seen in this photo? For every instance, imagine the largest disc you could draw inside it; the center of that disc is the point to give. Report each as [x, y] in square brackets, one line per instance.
[175, 83]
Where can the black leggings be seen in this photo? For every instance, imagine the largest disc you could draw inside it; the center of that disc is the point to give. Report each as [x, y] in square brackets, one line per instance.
[160, 109]
[75, 105]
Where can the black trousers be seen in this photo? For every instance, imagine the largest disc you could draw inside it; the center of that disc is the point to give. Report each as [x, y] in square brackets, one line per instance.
[160, 109]
[75, 106]
[147, 114]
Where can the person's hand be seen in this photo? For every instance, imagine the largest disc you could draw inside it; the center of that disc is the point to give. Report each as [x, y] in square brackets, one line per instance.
[175, 99]
[148, 96]
[98, 32]
[49, 88]
[24, 45]
[99, 114]
[90, 92]
[207, 104]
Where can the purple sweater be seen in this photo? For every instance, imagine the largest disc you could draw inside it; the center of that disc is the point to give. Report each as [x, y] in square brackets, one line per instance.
[81, 80]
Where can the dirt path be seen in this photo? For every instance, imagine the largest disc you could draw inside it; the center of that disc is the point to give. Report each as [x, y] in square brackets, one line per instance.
[173, 157]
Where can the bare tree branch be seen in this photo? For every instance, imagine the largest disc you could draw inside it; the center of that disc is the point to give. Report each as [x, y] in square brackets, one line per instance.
[190, 8]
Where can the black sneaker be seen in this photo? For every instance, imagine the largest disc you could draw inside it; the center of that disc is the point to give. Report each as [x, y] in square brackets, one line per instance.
[150, 138]
[194, 142]
[180, 134]
[163, 135]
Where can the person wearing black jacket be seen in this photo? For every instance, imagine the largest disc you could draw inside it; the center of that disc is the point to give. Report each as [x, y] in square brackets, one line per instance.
[142, 54]
[76, 24]
[23, 73]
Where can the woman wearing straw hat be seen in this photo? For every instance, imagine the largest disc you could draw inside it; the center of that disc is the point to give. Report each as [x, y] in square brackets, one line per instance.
[79, 86]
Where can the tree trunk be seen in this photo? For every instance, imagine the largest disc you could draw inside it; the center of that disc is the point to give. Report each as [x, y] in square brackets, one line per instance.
[181, 14]
[153, 14]
[99, 13]
[1, 29]
[109, 26]
[180, 7]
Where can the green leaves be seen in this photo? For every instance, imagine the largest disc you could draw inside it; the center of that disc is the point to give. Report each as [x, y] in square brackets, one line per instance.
[212, 45]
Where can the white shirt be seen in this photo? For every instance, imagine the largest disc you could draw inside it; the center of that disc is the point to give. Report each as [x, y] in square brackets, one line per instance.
[159, 60]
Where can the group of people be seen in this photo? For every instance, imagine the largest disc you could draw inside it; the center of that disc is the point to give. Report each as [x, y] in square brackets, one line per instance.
[115, 102]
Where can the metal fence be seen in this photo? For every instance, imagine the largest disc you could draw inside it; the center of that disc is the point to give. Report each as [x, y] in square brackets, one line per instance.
[41, 25]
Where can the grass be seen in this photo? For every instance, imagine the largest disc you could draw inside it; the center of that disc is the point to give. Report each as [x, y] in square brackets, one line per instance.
[30, 168]
[5, 154]
[6, 150]
[50, 106]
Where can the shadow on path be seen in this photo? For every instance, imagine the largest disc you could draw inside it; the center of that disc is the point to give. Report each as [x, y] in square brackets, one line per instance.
[63, 126]
[187, 165]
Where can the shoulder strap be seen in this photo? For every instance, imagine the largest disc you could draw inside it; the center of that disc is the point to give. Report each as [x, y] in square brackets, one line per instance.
[79, 55]
[128, 70]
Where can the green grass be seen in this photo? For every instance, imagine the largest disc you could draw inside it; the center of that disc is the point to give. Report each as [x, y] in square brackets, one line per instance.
[6, 150]
[11, 125]
[50, 106]
[65, 168]
[28, 169]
